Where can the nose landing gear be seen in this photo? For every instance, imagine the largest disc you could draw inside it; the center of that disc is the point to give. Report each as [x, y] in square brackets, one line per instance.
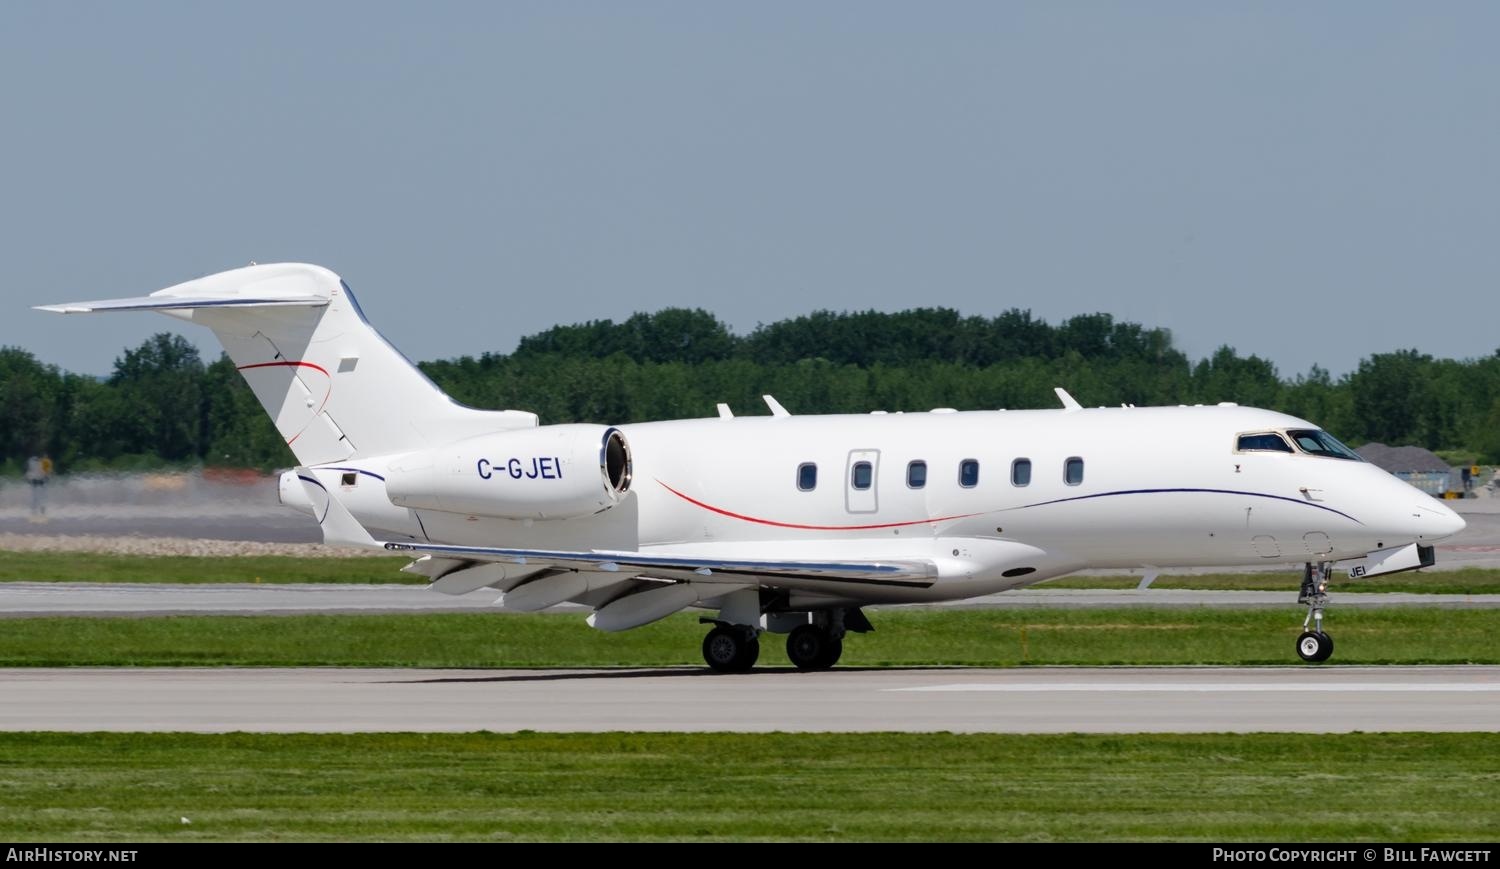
[1314, 646]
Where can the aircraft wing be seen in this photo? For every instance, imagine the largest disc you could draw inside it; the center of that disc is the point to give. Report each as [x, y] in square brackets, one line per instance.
[914, 573]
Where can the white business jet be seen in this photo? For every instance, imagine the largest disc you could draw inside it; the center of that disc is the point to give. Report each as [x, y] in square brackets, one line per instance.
[781, 523]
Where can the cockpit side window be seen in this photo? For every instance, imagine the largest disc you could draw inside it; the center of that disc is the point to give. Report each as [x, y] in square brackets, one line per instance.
[1262, 442]
[1315, 442]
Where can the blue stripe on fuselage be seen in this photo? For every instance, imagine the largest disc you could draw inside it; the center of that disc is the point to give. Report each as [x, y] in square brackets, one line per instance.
[1166, 491]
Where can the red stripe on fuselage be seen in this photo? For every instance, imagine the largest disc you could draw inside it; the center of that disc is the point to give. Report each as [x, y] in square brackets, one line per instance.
[742, 517]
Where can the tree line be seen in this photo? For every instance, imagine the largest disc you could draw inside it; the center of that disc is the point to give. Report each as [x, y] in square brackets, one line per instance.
[163, 404]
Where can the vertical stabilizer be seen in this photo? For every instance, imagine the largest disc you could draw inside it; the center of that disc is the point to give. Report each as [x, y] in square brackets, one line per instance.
[336, 389]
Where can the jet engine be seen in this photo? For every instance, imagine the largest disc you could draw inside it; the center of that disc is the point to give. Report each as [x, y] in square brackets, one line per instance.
[551, 472]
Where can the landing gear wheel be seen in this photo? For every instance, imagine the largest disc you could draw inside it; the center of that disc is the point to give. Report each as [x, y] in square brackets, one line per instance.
[812, 648]
[730, 650]
[1314, 648]
[835, 651]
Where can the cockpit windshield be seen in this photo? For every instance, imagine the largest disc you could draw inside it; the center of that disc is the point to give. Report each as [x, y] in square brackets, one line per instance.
[1321, 443]
[1267, 441]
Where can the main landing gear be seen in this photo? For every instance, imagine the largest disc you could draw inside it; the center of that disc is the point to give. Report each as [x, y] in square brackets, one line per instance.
[813, 647]
[1314, 646]
[815, 640]
[731, 648]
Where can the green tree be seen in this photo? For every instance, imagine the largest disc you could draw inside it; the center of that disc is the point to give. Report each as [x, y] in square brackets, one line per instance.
[29, 392]
[669, 335]
[1488, 440]
[1390, 398]
[1317, 398]
[158, 390]
[1226, 376]
[162, 402]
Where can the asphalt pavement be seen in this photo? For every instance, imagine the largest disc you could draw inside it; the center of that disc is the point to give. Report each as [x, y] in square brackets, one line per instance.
[1326, 699]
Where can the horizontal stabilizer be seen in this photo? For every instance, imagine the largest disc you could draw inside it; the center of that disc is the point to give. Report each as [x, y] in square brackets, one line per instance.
[178, 303]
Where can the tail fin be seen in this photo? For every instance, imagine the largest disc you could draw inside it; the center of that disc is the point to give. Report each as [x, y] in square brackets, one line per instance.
[336, 389]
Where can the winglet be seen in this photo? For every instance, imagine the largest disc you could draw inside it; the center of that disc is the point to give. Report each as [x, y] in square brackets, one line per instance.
[775, 406]
[1068, 402]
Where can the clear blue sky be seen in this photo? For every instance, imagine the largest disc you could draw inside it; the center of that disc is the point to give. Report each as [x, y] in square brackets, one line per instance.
[1307, 182]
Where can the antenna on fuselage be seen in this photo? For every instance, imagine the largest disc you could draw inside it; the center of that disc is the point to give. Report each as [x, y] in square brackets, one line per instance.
[1069, 402]
[724, 411]
[775, 406]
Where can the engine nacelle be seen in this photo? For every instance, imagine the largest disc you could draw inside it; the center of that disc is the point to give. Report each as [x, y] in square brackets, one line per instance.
[291, 492]
[552, 472]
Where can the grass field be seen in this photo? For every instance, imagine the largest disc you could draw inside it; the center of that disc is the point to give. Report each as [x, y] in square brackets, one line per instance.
[911, 637]
[1468, 580]
[96, 567]
[822, 787]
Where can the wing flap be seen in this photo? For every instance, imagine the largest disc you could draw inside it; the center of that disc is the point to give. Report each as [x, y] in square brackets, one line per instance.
[915, 573]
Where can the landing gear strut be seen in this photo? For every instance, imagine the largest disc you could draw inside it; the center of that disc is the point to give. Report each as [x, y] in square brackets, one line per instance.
[731, 648]
[1314, 646]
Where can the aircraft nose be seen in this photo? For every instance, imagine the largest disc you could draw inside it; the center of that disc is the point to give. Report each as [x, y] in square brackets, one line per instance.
[1434, 521]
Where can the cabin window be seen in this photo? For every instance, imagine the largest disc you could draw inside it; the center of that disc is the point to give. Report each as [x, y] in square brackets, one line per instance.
[1263, 442]
[968, 473]
[916, 474]
[861, 476]
[1020, 472]
[807, 476]
[1073, 471]
[1321, 443]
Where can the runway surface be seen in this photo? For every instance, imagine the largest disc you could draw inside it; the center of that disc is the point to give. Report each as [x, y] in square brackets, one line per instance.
[37, 599]
[1040, 700]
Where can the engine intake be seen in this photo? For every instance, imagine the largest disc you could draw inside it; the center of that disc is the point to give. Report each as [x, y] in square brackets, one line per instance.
[551, 472]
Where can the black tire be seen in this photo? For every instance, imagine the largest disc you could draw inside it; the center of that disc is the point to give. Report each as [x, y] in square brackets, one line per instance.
[1314, 648]
[811, 648]
[750, 656]
[1327, 649]
[730, 650]
[834, 652]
